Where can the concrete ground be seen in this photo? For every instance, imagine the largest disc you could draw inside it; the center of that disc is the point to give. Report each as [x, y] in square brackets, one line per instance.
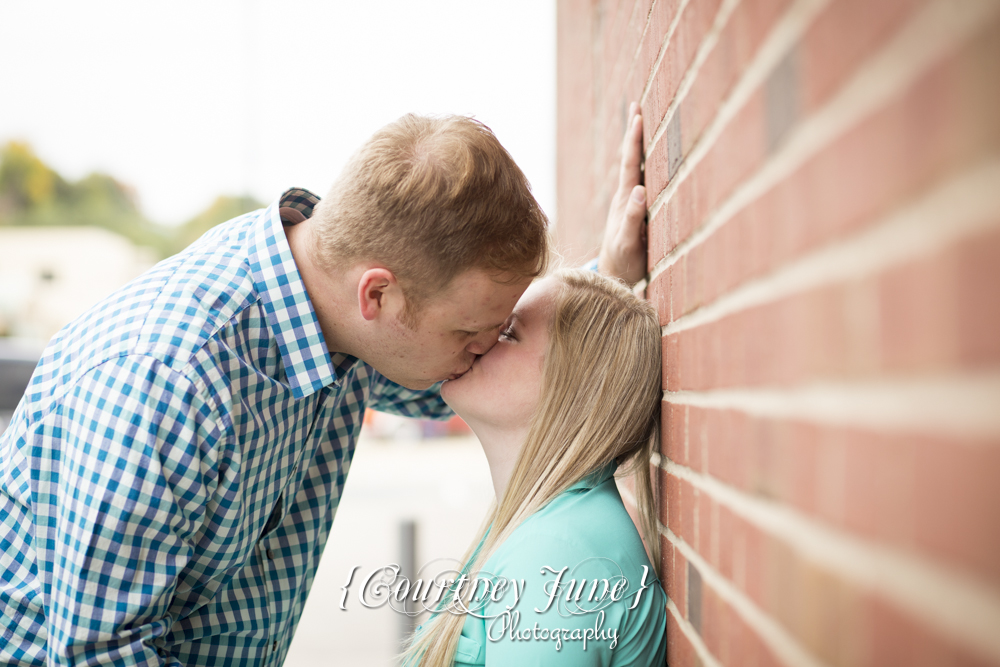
[444, 485]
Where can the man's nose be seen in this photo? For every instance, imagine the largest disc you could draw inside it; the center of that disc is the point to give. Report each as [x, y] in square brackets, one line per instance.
[483, 342]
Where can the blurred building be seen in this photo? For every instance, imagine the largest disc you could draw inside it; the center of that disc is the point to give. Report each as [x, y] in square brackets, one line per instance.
[49, 275]
[385, 426]
[823, 193]
[17, 362]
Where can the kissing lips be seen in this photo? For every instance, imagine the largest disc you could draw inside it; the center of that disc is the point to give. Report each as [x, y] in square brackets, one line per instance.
[455, 376]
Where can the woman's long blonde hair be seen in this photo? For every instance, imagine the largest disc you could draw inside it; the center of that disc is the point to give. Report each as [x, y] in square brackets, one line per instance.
[599, 400]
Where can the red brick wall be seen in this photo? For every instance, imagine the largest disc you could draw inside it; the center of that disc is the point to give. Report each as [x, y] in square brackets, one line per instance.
[824, 201]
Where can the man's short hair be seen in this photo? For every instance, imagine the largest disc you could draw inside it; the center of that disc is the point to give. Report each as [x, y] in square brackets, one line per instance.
[430, 197]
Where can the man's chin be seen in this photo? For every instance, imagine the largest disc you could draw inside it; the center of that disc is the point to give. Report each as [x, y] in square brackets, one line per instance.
[420, 384]
[416, 384]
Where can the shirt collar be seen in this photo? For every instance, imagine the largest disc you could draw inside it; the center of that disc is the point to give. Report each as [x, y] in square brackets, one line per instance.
[290, 315]
[596, 478]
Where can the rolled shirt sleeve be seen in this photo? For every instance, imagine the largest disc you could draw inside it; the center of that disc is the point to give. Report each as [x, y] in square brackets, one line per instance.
[387, 396]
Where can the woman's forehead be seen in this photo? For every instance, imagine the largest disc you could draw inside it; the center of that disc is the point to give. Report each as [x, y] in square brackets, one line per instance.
[538, 299]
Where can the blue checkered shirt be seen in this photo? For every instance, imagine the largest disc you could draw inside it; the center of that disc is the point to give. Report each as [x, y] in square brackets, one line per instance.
[169, 479]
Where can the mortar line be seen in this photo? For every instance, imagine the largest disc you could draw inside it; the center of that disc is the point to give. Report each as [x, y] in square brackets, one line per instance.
[938, 595]
[784, 645]
[969, 202]
[933, 31]
[960, 404]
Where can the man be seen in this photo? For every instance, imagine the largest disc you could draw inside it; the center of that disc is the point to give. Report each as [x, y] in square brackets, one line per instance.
[169, 479]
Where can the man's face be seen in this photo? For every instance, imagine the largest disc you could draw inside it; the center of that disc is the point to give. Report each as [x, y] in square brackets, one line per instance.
[503, 387]
[451, 329]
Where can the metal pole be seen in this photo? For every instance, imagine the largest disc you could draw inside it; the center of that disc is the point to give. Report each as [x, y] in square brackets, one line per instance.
[408, 569]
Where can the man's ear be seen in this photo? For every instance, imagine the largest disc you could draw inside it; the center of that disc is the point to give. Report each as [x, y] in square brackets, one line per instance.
[373, 286]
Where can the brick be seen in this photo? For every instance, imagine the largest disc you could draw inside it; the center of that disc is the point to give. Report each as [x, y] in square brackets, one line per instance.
[670, 500]
[942, 122]
[658, 165]
[623, 85]
[684, 518]
[824, 613]
[667, 568]
[680, 652]
[735, 48]
[647, 39]
[724, 562]
[678, 574]
[658, 239]
[736, 45]
[674, 425]
[660, 17]
[936, 314]
[694, 24]
[899, 641]
[919, 317]
[828, 616]
[874, 485]
[841, 38]
[615, 26]
[879, 137]
[694, 597]
[659, 295]
[934, 129]
[716, 625]
[782, 95]
[705, 527]
[940, 311]
[728, 637]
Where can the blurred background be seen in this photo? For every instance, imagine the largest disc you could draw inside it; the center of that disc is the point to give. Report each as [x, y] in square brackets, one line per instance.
[128, 130]
[823, 184]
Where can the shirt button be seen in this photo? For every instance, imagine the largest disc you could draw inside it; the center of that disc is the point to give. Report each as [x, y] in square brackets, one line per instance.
[270, 555]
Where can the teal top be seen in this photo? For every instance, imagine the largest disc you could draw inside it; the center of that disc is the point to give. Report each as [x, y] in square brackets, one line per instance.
[587, 531]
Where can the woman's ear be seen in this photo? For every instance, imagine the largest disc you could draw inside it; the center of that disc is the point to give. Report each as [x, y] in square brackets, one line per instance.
[376, 287]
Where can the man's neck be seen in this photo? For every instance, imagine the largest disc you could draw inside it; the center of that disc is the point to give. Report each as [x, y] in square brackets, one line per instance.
[328, 290]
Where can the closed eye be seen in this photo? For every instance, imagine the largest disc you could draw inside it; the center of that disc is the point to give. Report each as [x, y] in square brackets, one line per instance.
[507, 333]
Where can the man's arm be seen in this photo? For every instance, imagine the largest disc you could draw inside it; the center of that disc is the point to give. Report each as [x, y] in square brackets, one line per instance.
[387, 396]
[135, 468]
[623, 251]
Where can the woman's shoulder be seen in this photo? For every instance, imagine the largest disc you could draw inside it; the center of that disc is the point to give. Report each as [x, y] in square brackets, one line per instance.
[580, 523]
[580, 571]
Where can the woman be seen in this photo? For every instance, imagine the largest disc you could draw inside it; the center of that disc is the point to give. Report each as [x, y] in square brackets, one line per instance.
[570, 391]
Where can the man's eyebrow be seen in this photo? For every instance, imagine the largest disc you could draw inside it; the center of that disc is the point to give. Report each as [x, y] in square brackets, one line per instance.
[490, 328]
[494, 326]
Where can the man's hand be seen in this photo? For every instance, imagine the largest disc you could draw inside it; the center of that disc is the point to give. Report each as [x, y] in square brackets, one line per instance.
[623, 252]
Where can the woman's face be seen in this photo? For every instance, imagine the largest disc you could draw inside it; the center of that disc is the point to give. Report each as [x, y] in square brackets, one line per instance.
[502, 387]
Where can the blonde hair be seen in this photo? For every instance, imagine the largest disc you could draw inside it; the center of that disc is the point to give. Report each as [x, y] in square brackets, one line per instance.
[599, 401]
[430, 197]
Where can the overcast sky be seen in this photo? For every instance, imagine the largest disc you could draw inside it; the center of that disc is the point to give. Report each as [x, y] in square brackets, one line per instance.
[188, 100]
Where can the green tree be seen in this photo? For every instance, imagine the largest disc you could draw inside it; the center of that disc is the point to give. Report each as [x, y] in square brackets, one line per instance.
[224, 208]
[32, 193]
[26, 183]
